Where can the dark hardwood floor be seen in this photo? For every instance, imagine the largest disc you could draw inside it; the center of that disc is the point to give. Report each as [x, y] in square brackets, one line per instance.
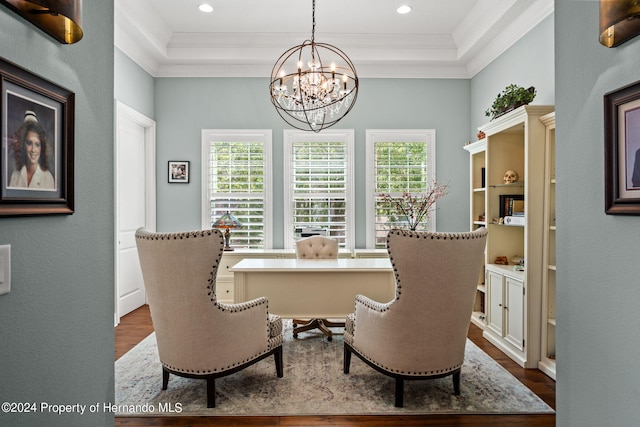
[136, 325]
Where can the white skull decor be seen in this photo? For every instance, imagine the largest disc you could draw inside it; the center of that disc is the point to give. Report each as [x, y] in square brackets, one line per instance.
[510, 177]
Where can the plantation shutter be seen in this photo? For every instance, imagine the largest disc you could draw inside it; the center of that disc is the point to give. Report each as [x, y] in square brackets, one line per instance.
[319, 187]
[236, 183]
[399, 167]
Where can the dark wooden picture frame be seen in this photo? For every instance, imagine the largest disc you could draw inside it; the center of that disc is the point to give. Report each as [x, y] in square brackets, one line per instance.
[178, 171]
[622, 150]
[37, 158]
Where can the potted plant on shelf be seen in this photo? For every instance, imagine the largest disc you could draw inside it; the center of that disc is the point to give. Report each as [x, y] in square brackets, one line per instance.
[512, 97]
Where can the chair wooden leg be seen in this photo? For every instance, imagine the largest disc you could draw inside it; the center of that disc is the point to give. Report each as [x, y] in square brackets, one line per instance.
[278, 358]
[347, 359]
[456, 383]
[211, 392]
[399, 392]
[165, 378]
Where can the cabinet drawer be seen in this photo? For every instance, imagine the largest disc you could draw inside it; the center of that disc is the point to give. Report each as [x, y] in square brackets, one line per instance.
[224, 291]
[226, 263]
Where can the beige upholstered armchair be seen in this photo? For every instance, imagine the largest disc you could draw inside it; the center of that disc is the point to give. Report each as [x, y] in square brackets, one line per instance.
[422, 333]
[316, 248]
[198, 336]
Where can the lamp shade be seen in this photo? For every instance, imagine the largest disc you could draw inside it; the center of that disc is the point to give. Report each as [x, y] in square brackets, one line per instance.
[61, 19]
[619, 21]
[227, 221]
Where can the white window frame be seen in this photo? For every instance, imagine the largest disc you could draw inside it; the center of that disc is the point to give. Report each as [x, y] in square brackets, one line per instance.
[385, 135]
[244, 135]
[343, 135]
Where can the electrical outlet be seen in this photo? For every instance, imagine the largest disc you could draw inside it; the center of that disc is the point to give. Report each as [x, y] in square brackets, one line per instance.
[5, 269]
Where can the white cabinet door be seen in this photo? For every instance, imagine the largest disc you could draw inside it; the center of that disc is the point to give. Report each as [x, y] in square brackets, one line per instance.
[514, 300]
[496, 311]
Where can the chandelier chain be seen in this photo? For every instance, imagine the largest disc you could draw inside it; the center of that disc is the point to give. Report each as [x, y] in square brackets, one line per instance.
[313, 21]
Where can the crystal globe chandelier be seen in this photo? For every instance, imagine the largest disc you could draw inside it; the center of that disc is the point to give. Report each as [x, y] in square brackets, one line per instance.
[318, 96]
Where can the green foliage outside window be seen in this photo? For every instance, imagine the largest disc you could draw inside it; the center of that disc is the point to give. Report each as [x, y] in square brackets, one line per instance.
[400, 169]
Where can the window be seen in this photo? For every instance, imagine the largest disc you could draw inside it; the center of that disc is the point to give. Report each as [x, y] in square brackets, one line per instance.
[237, 178]
[398, 161]
[319, 184]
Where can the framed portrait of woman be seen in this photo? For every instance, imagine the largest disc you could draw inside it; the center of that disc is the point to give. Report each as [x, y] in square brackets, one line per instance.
[36, 160]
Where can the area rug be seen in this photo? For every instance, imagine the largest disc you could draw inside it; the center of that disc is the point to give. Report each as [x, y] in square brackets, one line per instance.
[314, 384]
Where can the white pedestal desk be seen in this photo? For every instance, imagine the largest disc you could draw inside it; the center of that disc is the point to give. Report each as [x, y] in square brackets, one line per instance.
[313, 288]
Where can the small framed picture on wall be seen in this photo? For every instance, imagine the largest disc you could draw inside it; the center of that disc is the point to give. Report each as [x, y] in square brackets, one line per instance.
[178, 171]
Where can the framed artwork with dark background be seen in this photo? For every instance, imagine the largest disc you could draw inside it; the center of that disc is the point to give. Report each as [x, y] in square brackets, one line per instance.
[36, 160]
[622, 150]
[178, 171]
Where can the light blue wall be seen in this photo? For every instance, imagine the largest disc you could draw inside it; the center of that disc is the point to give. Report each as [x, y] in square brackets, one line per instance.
[184, 106]
[56, 324]
[529, 62]
[598, 270]
[133, 86]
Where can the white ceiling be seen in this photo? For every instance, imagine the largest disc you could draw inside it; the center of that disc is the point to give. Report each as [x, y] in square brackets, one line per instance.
[244, 38]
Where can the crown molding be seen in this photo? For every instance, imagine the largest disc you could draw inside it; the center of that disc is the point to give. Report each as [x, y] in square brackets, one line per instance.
[482, 24]
[488, 30]
[525, 22]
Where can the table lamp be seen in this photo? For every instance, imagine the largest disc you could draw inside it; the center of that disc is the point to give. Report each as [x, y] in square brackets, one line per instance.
[227, 221]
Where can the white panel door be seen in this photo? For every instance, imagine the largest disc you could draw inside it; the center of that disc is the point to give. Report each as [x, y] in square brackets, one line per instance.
[134, 157]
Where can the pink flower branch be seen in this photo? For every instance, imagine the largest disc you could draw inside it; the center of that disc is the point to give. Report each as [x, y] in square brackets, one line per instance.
[415, 208]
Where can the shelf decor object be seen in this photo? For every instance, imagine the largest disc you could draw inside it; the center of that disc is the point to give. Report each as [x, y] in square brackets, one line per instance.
[619, 21]
[412, 210]
[310, 94]
[622, 150]
[61, 19]
[226, 222]
[512, 97]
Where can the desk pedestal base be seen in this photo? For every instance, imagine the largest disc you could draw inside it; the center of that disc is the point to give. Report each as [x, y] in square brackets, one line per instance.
[322, 324]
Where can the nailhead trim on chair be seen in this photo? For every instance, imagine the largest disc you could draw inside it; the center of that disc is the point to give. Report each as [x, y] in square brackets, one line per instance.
[274, 323]
[416, 374]
[274, 328]
[211, 371]
[478, 233]
[351, 326]
[374, 305]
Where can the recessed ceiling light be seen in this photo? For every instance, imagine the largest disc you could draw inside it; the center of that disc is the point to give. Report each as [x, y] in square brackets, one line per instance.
[206, 8]
[405, 8]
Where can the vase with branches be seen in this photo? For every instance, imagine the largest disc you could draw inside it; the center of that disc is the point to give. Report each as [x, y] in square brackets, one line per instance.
[414, 208]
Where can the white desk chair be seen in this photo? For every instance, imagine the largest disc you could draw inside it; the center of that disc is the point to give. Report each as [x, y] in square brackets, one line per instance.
[316, 247]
